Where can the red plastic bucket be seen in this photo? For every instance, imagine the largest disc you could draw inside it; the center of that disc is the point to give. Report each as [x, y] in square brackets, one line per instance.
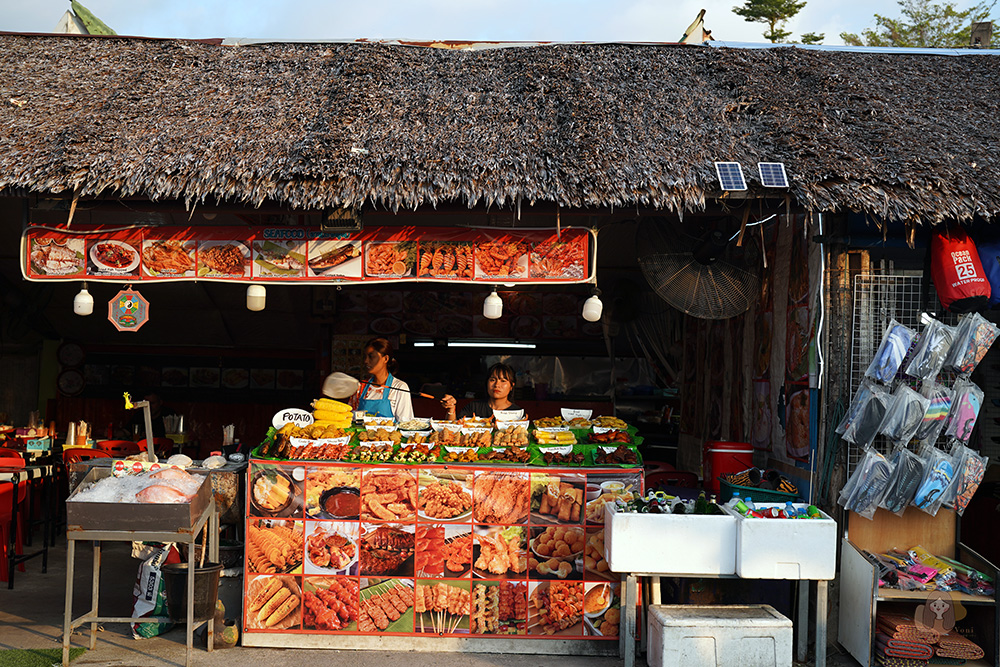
[722, 458]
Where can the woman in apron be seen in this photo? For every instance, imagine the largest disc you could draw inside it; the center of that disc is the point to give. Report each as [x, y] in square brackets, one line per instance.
[375, 396]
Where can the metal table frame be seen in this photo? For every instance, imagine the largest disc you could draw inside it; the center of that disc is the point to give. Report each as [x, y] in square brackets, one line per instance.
[184, 536]
[630, 599]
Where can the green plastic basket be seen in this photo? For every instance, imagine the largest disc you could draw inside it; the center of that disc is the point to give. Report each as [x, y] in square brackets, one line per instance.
[726, 491]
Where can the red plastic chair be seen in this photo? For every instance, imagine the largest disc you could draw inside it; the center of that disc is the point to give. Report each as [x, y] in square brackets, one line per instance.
[78, 454]
[119, 448]
[163, 447]
[6, 516]
[672, 478]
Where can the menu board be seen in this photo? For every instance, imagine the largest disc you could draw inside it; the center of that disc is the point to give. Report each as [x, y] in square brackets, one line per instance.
[451, 551]
[309, 255]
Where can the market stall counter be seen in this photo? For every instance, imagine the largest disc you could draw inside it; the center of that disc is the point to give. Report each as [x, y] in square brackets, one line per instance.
[475, 539]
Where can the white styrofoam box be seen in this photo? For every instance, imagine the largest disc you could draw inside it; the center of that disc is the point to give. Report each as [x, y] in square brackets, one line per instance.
[669, 543]
[785, 548]
[708, 636]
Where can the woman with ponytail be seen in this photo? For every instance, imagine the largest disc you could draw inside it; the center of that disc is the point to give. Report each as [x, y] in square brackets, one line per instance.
[375, 396]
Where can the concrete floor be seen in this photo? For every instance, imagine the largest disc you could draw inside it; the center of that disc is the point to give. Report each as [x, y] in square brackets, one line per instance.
[31, 616]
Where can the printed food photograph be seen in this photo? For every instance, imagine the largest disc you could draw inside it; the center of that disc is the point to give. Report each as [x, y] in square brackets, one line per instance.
[57, 257]
[555, 608]
[557, 498]
[556, 552]
[442, 607]
[273, 603]
[330, 604]
[113, 257]
[332, 547]
[386, 605]
[217, 259]
[273, 492]
[594, 564]
[333, 493]
[386, 550]
[390, 260]
[335, 258]
[279, 258]
[604, 489]
[445, 259]
[601, 609]
[499, 552]
[500, 259]
[499, 608]
[161, 259]
[445, 495]
[388, 495]
[560, 258]
[235, 378]
[500, 497]
[443, 550]
[274, 546]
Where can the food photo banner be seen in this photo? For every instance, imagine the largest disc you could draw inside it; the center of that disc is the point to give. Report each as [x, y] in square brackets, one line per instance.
[308, 255]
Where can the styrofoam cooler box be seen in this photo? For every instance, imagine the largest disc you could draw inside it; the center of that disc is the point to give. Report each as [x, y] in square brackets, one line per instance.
[669, 543]
[709, 636]
[785, 548]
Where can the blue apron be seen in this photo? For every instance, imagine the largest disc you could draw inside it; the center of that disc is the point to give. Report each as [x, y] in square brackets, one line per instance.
[379, 407]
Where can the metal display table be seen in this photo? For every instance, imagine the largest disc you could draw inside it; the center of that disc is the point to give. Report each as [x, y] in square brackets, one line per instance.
[630, 599]
[182, 536]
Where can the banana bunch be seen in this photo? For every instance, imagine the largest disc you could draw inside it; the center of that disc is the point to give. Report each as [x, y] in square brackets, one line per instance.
[328, 412]
[555, 438]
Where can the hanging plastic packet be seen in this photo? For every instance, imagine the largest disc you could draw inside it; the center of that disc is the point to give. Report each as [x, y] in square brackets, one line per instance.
[903, 415]
[964, 411]
[873, 475]
[937, 412]
[863, 430]
[939, 471]
[931, 350]
[895, 343]
[968, 476]
[906, 477]
[973, 338]
[861, 397]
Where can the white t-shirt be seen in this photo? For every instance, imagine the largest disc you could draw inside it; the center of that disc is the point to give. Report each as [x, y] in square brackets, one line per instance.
[399, 401]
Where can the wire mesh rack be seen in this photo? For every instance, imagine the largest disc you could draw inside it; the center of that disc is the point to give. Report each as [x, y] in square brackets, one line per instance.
[877, 300]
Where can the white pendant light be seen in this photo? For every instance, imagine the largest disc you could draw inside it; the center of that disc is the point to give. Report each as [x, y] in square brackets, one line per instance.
[83, 302]
[256, 294]
[593, 307]
[493, 306]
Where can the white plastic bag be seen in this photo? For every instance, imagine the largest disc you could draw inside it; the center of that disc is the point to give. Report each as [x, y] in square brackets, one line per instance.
[148, 596]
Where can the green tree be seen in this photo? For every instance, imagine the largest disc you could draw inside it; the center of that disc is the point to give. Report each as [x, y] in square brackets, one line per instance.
[923, 23]
[775, 13]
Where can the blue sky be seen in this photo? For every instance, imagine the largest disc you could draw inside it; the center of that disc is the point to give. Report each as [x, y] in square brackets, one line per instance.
[542, 20]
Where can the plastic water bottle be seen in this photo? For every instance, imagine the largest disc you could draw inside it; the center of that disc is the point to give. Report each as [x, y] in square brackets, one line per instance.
[748, 501]
[734, 500]
[790, 510]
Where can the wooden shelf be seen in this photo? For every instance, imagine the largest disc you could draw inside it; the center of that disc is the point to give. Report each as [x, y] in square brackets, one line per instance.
[895, 595]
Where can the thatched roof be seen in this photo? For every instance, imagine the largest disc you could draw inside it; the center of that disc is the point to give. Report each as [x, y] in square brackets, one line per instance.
[910, 137]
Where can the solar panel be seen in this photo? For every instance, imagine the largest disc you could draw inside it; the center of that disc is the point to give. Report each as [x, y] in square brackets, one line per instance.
[730, 175]
[772, 174]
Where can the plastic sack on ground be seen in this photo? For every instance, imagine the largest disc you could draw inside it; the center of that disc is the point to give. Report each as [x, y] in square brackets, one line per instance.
[895, 343]
[903, 415]
[973, 337]
[931, 350]
[871, 478]
[864, 429]
[907, 473]
[965, 406]
[939, 471]
[147, 595]
[936, 414]
[861, 397]
[968, 476]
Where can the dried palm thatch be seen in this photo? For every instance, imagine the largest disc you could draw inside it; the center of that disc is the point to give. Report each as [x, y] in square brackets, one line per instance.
[906, 137]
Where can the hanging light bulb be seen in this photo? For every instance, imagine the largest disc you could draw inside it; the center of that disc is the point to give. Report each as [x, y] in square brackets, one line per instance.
[593, 307]
[83, 303]
[493, 306]
[256, 294]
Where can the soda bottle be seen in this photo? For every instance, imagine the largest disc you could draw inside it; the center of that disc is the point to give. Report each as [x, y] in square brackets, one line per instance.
[740, 506]
[813, 512]
[701, 505]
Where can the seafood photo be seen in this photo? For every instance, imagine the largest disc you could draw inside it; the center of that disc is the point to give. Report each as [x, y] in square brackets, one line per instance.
[167, 258]
[279, 258]
[222, 258]
[330, 603]
[273, 603]
[500, 497]
[114, 256]
[445, 260]
[325, 262]
[500, 552]
[390, 259]
[502, 259]
[57, 257]
[555, 258]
